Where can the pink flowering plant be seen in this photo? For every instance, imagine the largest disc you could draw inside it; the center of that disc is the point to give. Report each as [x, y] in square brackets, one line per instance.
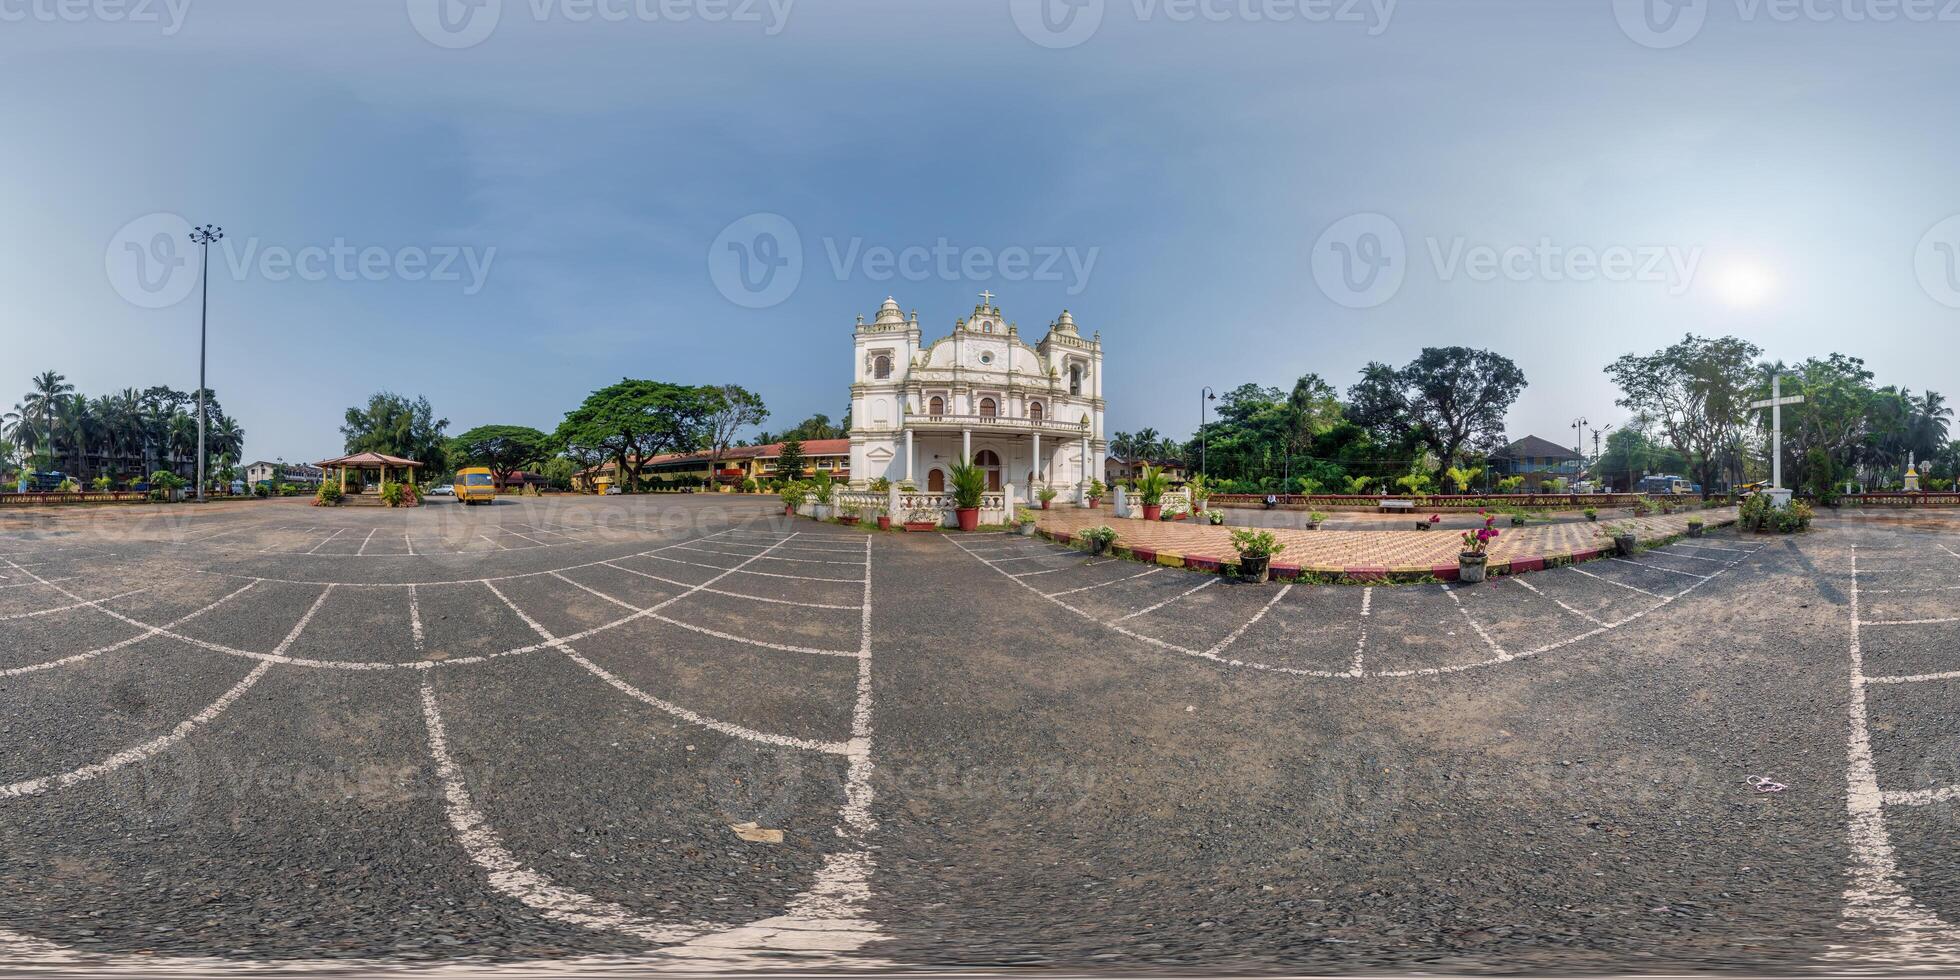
[1477, 542]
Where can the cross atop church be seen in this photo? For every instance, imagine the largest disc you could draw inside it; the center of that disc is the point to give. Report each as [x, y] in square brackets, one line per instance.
[1775, 403]
[986, 298]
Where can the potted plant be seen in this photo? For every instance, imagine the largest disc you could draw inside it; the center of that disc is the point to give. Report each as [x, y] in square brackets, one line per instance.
[1313, 520]
[1024, 519]
[884, 519]
[1096, 493]
[327, 496]
[793, 494]
[1216, 517]
[1433, 519]
[822, 490]
[1256, 549]
[1046, 495]
[1695, 527]
[923, 519]
[1623, 538]
[1474, 559]
[1201, 491]
[849, 516]
[1098, 538]
[1150, 489]
[969, 486]
[1592, 514]
[881, 485]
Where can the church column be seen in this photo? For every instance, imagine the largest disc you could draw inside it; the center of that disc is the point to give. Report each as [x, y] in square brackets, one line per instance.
[1037, 457]
[966, 446]
[1083, 493]
[908, 455]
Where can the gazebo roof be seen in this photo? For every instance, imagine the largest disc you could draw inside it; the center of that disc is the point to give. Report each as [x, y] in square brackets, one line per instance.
[365, 460]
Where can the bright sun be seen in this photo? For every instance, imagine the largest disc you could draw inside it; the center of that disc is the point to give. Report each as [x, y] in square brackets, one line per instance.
[1744, 283]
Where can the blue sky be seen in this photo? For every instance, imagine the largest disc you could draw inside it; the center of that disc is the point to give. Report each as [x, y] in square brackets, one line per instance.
[1184, 174]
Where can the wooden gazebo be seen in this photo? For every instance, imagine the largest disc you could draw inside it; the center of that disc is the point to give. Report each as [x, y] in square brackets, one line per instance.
[370, 461]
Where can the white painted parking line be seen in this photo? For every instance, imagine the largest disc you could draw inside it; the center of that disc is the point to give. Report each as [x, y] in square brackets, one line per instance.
[1712, 547]
[1361, 642]
[1875, 899]
[718, 634]
[134, 754]
[1588, 617]
[323, 541]
[1660, 568]
[410, 542]
[1948, 675]
[512, 878]
[1608, 581]
[1151, 571]
[1922, 797]
[535, 541]
[1911, 622]
[745, 571]
[30, 585]
[414, 620]
[59, 609]
[111, 648]
[1671, 553]
[724, 592]
[366, 540]
[1495, 648]
[1045, 571]
[1219, 647]
[486, 538]
[800, 561]
[1153, 608]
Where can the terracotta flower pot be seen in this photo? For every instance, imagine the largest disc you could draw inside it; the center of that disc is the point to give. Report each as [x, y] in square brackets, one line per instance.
[1095, 501]
[789, 510]
[969, 518]
[847, 520]
[1044, 505]
[921, 526]
[884, 522]
[1153, 512]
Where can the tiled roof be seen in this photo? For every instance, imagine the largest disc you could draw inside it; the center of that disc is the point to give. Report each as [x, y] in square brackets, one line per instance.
[1532, 447]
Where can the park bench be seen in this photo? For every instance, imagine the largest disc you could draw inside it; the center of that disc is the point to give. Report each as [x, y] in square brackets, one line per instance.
[1388, 505]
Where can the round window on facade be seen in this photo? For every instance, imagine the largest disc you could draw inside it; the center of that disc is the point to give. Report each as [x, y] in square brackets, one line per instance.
[986, 358]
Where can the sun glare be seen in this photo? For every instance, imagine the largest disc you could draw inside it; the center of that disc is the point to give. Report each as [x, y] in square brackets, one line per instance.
[1744, 284]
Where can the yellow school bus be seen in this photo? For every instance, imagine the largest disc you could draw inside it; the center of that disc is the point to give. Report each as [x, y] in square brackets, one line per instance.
[476, 485]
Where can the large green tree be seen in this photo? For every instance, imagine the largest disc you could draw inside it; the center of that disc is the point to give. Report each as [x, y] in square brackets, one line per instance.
[635, 419]
[731, 409]
[1449, 400]
[398, 426]
[1696, 393]
[502, 448]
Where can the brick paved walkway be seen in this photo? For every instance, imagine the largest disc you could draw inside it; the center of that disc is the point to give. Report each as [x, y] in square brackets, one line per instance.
[1371, 554]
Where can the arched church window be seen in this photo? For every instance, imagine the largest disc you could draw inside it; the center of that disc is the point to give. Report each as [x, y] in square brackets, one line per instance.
[1075, 379]
[988, 409]
[881, 367]
[937, 406]
[1035, 411]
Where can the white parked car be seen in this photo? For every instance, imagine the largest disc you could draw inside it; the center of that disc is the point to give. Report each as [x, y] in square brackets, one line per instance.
[442, 490]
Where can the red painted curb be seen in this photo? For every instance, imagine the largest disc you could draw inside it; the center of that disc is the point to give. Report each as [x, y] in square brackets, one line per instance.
[1204, 562]
[1283, 571]
[1365, 571]
[1533, 563]
[1144, 554]
[1447, 573]
[1579, 556]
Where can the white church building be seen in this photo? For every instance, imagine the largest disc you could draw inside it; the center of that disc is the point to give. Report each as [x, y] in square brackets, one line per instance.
[1028, 415]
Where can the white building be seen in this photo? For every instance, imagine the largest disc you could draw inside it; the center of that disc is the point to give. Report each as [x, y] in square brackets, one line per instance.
[1027, 415]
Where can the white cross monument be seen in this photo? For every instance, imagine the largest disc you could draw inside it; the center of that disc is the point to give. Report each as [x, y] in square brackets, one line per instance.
[1775, 404]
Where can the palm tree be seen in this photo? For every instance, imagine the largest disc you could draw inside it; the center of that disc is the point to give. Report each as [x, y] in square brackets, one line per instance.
[1930, 421]
[48, 388]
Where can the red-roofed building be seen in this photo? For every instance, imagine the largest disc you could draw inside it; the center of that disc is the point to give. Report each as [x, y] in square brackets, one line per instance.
[740, 463]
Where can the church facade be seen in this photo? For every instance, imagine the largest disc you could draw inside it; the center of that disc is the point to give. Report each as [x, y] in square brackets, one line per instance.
[1027, 415]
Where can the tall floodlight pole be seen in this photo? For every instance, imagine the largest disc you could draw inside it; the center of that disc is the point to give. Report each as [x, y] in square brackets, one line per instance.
[1775, 405]
[1579, 441]
[1204, 395]
[203, 237]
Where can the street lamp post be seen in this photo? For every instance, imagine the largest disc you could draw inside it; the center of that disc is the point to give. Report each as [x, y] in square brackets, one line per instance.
[203, 237]
[1579, 442]
[1204, 395]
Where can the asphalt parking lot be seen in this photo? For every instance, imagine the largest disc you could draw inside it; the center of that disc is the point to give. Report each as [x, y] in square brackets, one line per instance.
[688, 732]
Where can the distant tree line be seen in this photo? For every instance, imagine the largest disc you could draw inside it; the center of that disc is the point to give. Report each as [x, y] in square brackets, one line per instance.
[115, 439]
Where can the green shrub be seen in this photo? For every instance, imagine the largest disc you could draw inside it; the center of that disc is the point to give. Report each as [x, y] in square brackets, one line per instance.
[1255, 543]
[328, 495]
[969, 484]
[1152, 485]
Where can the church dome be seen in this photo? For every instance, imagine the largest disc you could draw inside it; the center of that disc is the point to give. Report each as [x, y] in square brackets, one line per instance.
[889, 312]
[1065, 323]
